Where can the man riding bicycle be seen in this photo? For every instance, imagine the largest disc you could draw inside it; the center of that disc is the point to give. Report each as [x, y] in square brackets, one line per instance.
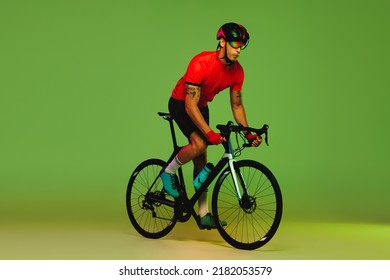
[208, 73]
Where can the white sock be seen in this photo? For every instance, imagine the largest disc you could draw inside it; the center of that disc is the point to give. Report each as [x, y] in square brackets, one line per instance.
[203, 207]
[173, 166]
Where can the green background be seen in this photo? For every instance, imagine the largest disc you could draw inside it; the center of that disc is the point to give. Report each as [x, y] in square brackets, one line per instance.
[81, 82]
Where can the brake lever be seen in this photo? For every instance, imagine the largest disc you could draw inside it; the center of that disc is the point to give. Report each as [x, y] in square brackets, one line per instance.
[265, 129]
[266, 138]
[260, 132]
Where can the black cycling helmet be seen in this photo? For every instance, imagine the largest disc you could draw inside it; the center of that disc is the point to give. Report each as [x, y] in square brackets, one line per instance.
[233, 32]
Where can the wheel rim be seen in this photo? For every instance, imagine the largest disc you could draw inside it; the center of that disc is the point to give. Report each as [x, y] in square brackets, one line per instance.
[150, 219]
[252, 222]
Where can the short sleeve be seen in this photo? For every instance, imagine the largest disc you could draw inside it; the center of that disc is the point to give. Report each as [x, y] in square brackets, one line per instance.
[237, 86]
[195, 72]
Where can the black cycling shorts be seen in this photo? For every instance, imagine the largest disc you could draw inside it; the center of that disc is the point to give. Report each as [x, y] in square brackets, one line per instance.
[183, 120]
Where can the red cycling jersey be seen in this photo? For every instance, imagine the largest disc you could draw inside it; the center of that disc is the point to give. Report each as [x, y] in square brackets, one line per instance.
[207, 71]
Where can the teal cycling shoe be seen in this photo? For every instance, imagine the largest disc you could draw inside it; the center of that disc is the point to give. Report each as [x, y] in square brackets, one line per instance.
[208, 222]
[170, 183]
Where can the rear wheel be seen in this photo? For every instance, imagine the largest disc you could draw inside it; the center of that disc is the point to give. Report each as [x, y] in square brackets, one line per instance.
[253, 220]
[150, 218]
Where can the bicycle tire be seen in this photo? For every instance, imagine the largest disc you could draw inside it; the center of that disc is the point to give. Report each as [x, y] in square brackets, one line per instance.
[250, 224]
[151, 220]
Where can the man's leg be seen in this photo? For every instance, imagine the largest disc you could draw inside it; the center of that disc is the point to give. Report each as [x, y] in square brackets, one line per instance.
[194, 149]
[199, 163]
[207, 220]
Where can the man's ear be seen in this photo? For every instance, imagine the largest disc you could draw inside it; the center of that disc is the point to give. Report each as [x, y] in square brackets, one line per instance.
[222, 42]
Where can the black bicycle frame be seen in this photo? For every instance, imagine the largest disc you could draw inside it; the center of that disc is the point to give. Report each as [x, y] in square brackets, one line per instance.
[189, 203]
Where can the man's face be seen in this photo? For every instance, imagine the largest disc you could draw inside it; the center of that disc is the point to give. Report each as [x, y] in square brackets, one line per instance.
[232, 53]
[233, 49]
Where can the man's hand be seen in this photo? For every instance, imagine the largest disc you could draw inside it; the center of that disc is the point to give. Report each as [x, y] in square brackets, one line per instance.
[253, 139]
[214, 138]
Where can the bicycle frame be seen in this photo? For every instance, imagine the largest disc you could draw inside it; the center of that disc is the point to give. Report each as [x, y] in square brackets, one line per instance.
[226, 159]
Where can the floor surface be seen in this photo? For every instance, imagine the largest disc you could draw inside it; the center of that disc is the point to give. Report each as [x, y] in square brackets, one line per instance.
[116, 241]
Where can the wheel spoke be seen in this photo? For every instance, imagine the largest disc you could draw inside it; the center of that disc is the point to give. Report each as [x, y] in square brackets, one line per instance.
[252, 222]
[150, 220]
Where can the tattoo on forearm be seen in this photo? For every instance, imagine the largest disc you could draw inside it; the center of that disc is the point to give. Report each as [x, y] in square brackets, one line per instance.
[238, 95]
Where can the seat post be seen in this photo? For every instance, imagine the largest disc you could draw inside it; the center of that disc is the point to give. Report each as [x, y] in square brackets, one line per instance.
[172, 127]
[168, 117]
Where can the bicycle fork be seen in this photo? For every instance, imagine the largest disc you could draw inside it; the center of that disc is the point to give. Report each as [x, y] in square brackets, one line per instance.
[237, 177]
[234, 175]
[247, 202]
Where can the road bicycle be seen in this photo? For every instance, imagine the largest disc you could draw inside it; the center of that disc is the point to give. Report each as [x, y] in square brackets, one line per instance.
[246, 194]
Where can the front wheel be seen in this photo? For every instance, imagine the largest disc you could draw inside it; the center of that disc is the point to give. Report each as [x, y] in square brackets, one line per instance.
[252, 220]
[150, 218]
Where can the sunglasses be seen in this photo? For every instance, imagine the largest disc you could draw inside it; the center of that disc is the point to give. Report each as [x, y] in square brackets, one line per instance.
[237, 44]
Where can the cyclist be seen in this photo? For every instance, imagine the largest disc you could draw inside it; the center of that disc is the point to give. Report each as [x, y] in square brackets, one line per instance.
[208, 73]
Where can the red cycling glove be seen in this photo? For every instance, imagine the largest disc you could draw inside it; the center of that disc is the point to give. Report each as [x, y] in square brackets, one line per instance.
[214, 138]
[250, 137]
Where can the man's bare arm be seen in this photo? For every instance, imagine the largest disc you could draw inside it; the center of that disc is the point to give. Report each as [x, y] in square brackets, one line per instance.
[191, 106]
